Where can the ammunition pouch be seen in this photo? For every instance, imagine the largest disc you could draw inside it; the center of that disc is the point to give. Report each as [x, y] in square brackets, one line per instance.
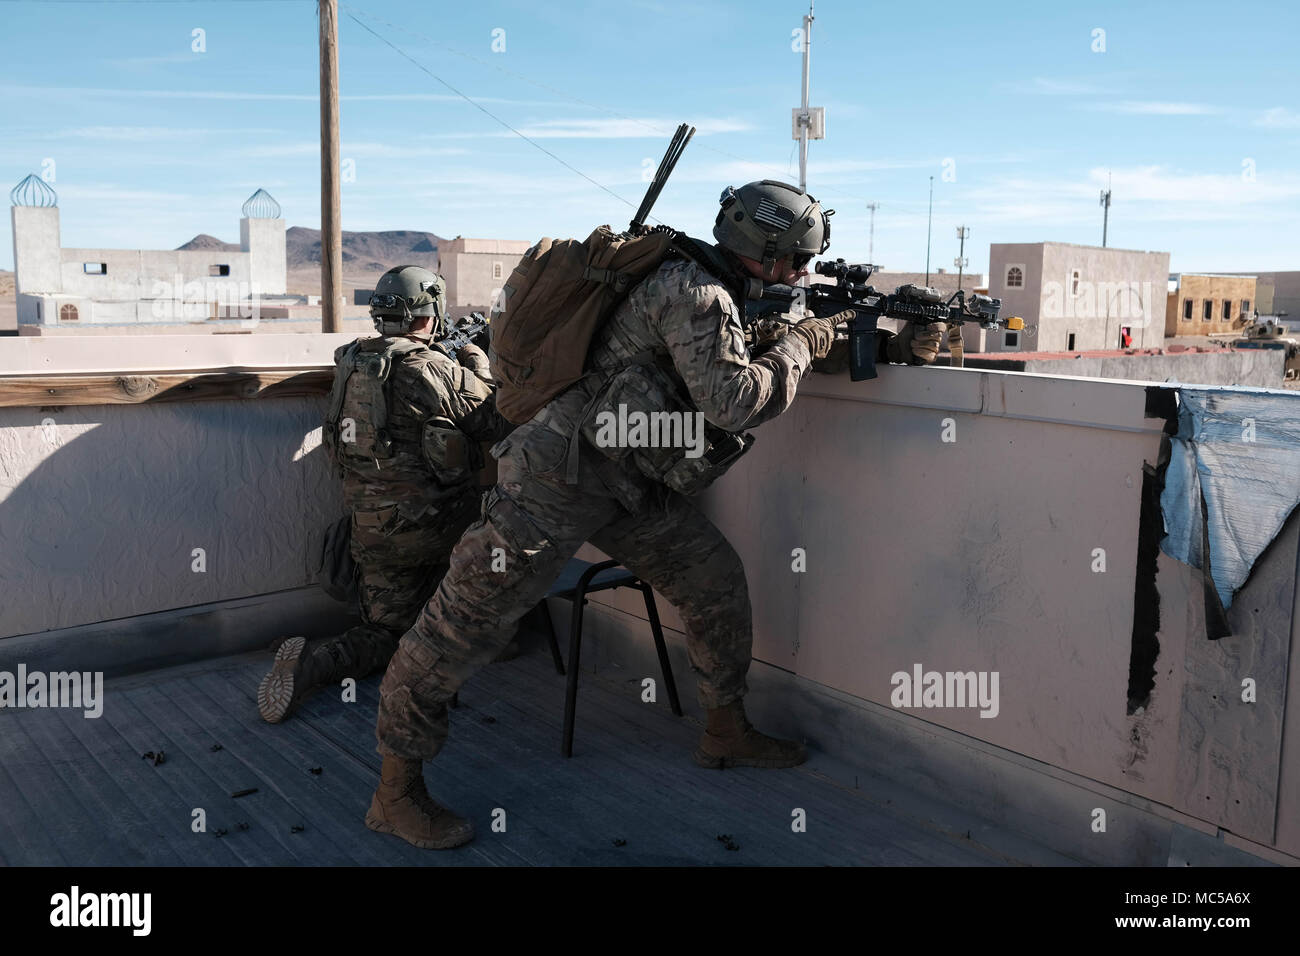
[641, 415]
[451, 455]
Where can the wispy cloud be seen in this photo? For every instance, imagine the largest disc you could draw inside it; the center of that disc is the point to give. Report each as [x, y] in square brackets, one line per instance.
[616, 128]
[353, 150]
[139, 61]
[134, 134]
[121, 93]
[1279, 117]
[1143, 193]
[112, 193]
[1046, 86]
[118, 93]
[1155, 108]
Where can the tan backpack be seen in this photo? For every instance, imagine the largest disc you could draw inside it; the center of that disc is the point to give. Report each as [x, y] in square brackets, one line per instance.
[556, 298]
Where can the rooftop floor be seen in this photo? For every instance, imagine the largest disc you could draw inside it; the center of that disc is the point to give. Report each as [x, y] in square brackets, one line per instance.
[76, 791]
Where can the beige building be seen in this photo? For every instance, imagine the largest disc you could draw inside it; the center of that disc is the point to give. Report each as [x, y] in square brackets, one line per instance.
[1277, 293]
[1075, 298]
[1204, 303]
[476, 269]
[59, 288]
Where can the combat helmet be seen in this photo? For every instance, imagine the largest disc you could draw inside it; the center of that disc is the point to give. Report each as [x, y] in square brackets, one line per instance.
[404, 294]
[770, 220]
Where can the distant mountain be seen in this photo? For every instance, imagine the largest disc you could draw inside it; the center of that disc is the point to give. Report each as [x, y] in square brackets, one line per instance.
[365, 251]
[203, 241]
[362, 251]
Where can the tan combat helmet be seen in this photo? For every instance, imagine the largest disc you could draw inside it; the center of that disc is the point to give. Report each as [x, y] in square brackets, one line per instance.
[770, 220]
[404, 294]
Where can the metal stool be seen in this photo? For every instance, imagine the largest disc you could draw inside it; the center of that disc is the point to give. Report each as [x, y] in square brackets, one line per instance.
[576, 581]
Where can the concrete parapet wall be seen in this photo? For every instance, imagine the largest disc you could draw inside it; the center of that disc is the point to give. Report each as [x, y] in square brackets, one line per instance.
[1258, 367]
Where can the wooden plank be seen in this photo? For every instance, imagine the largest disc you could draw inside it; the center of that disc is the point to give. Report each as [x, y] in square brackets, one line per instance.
[28, 391]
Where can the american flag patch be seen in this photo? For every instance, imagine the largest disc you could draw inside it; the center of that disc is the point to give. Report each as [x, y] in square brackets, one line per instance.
[770, 214]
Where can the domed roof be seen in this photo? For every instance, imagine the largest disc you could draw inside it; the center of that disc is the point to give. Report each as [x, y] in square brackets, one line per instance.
[33, 191]
[261, 205]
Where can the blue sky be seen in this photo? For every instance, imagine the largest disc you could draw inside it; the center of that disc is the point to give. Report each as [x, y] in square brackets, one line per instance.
[1192, 109]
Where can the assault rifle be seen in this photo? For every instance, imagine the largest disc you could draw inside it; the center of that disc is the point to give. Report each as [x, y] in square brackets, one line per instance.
[918, 304]
[462, 334]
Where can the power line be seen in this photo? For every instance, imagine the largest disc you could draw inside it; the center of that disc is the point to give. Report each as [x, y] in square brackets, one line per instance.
[483, 109]
[574, 99]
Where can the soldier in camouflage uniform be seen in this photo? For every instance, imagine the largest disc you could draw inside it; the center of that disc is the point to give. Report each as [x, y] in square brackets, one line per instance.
[406, 419]
[676, 342]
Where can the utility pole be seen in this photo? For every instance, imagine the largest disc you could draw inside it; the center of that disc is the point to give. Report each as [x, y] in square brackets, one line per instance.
[961, 262]
[331, 236]
[804, 118]
[928, 220]
[871, 241]
[808, 122]
[1105, 215]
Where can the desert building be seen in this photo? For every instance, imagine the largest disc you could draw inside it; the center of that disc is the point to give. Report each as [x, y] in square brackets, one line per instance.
[64, 288]
[1206, 303]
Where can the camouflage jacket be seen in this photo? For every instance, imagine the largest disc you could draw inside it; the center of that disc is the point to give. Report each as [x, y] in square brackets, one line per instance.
[683, 323]
[430, 398]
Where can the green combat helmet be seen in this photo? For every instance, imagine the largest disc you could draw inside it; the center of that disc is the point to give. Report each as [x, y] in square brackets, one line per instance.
[770, 220]
[404, 294]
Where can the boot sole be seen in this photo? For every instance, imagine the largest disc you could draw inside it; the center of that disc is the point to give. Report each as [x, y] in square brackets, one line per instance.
[447, 843]
[713, 762]
[275, 693]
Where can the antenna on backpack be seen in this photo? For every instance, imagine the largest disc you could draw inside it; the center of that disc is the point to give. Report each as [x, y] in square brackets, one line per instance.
[675, 150]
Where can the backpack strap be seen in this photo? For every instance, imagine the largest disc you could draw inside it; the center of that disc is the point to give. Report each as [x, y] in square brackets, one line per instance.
[343, 370]
[707, 257]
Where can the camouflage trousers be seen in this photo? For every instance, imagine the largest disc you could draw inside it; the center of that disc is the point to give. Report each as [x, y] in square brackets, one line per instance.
[400, 562]
[531, 524]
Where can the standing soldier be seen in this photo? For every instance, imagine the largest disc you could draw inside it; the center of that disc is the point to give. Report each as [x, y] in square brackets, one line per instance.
[404, 428]
[675, 344]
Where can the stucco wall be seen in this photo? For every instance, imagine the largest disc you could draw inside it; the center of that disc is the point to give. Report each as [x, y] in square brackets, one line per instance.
[467, 264]
[1024, 301]
[36, 248]
[1117, 288]
[101, 507]
[264, 241]
[1260, 367]
[1216, 289]
[981, 554]
[145, 274]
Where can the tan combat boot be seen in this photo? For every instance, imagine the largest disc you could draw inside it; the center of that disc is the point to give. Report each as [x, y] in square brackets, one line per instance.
[292, 677]
[402, 806]
[730, 740]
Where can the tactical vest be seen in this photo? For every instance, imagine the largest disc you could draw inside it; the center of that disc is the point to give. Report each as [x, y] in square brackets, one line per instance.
[358, 428]
[646, 383]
